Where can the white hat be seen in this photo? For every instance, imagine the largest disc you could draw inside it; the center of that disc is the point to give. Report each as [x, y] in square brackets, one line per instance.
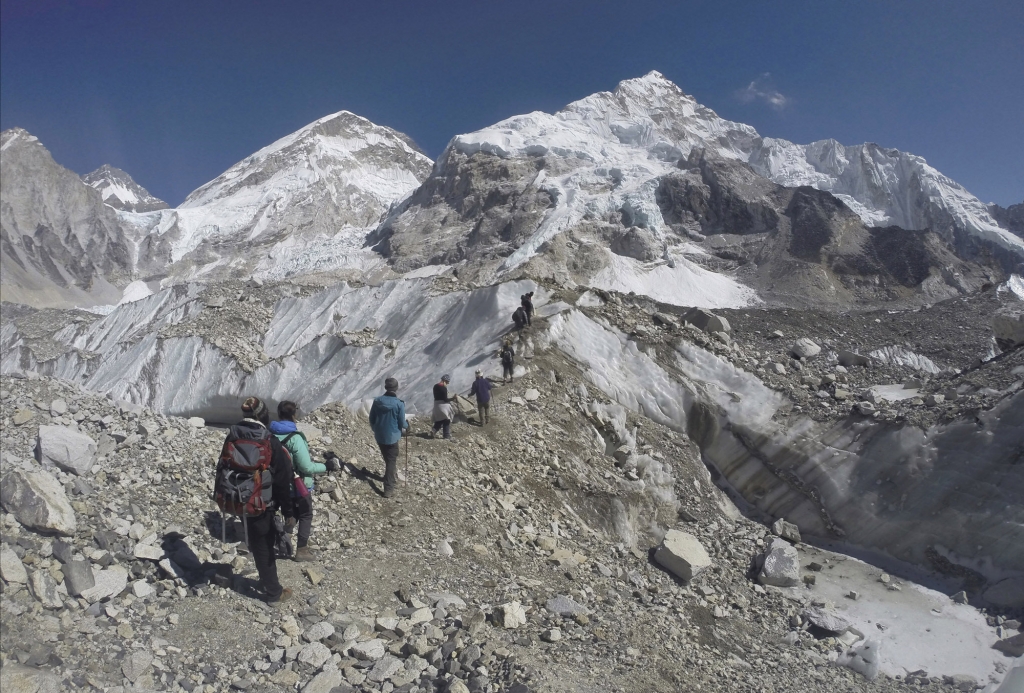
[479, 372]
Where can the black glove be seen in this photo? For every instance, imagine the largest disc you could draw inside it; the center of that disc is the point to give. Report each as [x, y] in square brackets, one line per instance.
[333, 464]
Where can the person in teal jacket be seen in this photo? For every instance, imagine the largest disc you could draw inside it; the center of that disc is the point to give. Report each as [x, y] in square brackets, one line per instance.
[387, 419]
[295, 442]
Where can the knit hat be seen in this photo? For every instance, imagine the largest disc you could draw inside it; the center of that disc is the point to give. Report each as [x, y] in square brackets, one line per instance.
[446, 378]
[254, 408]
[391, 385]
[479, 372]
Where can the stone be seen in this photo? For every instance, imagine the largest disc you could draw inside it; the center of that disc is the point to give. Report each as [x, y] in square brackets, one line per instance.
[386, 667]
[148, 552]
[865, 408]
[457, 686]
[510, 615]
[473, 620]
[38, 501]
[961, 682]
[565, 606]
[960, 597]
[371, 649]
[324, 682]
[445, 549]
[682, 555]
[319, 631]
[781, 565]
[16, 678]
[934, 400]
[135, 665]
[848, 359]
[142, 589]
[23, 416]
[11, 567]
[44, 589]
[531, 395]
[58, 407]
[315, 654]
[63, 551]
[864, 658]
[65, 448]
[547, 543]
[197, 422]
[314, 575]
[1008, 328]
[779, 369]
[447, 601]
[786, 530]
[109, 582]
[805, 348]
[1014, 647]
[707, 321]
[1006, 594]
[826, 619]
[78, 577]
[551, 635]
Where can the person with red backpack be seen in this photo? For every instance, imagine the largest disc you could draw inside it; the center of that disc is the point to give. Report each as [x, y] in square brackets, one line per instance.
[254, 480]
[295, 443]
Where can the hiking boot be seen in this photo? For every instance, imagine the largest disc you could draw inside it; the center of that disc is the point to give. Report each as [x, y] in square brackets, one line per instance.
[303, 555]
[389, 493]
[285, 595]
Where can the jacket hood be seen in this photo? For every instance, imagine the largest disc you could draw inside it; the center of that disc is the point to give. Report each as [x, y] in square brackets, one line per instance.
[277, 427]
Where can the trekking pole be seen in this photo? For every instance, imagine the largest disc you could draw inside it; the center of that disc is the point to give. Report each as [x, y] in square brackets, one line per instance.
[406, 459]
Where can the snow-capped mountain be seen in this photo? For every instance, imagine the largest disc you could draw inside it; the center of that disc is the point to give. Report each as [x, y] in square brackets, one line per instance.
[121, 192]
[302, 204]
[61, 245]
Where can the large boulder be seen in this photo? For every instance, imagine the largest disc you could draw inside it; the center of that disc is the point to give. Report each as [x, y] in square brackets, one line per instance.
[1008, 328]
[107, 583]
[17, 678]
[639, 244]
[78, 577]
[510, 615]
[780, 565]
[682, 555]
[707, 321]
[66, 448]
[805, 348]
[11, 567]
[38, 502]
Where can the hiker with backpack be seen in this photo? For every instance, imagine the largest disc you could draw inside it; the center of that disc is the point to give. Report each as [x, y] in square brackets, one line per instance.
[387, 419]
[254, 480]
[294, 441]
[482, 389]
[526, 302]
[519, 318]
[443, 412]
[508, 355]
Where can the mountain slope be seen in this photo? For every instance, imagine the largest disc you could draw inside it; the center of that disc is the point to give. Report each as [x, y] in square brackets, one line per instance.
[120, 191]
[60, 244]
[302, 204]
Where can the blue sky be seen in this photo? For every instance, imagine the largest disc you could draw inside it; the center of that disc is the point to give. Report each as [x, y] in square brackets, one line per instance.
[176, 92]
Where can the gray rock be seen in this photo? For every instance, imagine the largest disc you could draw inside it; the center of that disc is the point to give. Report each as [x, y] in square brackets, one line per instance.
[531, 395]
[324, 682]
[11, 567]
[38, 501]
[197, 422]
[314, 654]
[786, 530]
[16, 678]
[386, 667]
[135, 665]
[826, 619]
[371, 649]
[1008, 328]
[848, 359]
[78, 577]
[148, 552]
[44, 589]
[781, 565]
[565, 606]
[638, 243]
[319, 631]
[510, 615]
[1006, 594]
[63, 551]
[805, 348]
[682, 554]
[109, 582]
[66, 448]
[707, 321]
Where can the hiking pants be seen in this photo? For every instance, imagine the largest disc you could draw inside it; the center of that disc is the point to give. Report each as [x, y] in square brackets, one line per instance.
[390, 455]
[445, 424]
[304, 513]
[262, 537]
[485, 411]
[506, 370]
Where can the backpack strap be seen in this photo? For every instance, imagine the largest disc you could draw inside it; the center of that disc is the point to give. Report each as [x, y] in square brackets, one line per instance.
[284, 441]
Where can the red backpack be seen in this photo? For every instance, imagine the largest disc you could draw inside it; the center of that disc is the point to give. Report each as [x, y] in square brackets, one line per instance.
[243, 483]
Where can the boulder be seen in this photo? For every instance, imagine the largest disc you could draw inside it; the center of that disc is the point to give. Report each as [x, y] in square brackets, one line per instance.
[78, 577]
[707, 321]
[531, 395]
[44, 589]
[804, 348]
[786, 530]
[109, 582]
[565, 606]
[16, 678]
[66, 448]
[319, 631]
[135, 665]
[638, 243]
[1014, 647]
[324, 682]
[1006, 594]
[314, 654]
[848, 359]
[371, 649]
[197, 422]
[682, 555]
[781, 565]
[510, 615]
[826, 619]
[38, 502]
[11, 567]
[1008, 328]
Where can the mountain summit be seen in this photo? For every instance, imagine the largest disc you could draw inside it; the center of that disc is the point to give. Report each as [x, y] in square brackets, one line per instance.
[120, 191]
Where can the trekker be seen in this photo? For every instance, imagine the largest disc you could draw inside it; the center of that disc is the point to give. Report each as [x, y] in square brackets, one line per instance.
[249, 433]
[527, 304]
[302, 496]
[387, 419]
[443, 412]
[482, 389]
[507, 362]
[519, 318]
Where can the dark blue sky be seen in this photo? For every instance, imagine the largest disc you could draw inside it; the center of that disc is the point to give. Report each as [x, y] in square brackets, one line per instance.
[176, 92]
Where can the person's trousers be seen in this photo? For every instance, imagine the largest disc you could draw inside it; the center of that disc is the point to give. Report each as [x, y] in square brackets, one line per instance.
[262, 537]
[506, 371]
[485, 411]
[445, 424]
[304, 512]
[390, 455]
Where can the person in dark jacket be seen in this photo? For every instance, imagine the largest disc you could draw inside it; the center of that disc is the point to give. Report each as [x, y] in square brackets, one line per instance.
[443, 412]
[261, 532]
[482, 390]
[387, 419]
[526, 300]
[519, 318]
[295, 442]
[508, 355]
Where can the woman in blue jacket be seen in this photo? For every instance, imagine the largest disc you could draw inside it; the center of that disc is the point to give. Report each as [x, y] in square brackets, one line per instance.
[295, 442]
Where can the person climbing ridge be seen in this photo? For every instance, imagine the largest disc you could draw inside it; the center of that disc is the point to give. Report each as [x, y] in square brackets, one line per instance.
[387, 419]
[482, 390]
[507, 361]
[526, 302]
[443, 412]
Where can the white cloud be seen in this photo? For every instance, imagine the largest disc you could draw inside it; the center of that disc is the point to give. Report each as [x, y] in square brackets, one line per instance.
[763, 89]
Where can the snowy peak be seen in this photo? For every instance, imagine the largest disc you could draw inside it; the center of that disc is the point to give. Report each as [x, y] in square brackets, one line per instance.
[121, 192]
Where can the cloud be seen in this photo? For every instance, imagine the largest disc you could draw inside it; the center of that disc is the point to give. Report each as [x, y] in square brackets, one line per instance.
[763, 89]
